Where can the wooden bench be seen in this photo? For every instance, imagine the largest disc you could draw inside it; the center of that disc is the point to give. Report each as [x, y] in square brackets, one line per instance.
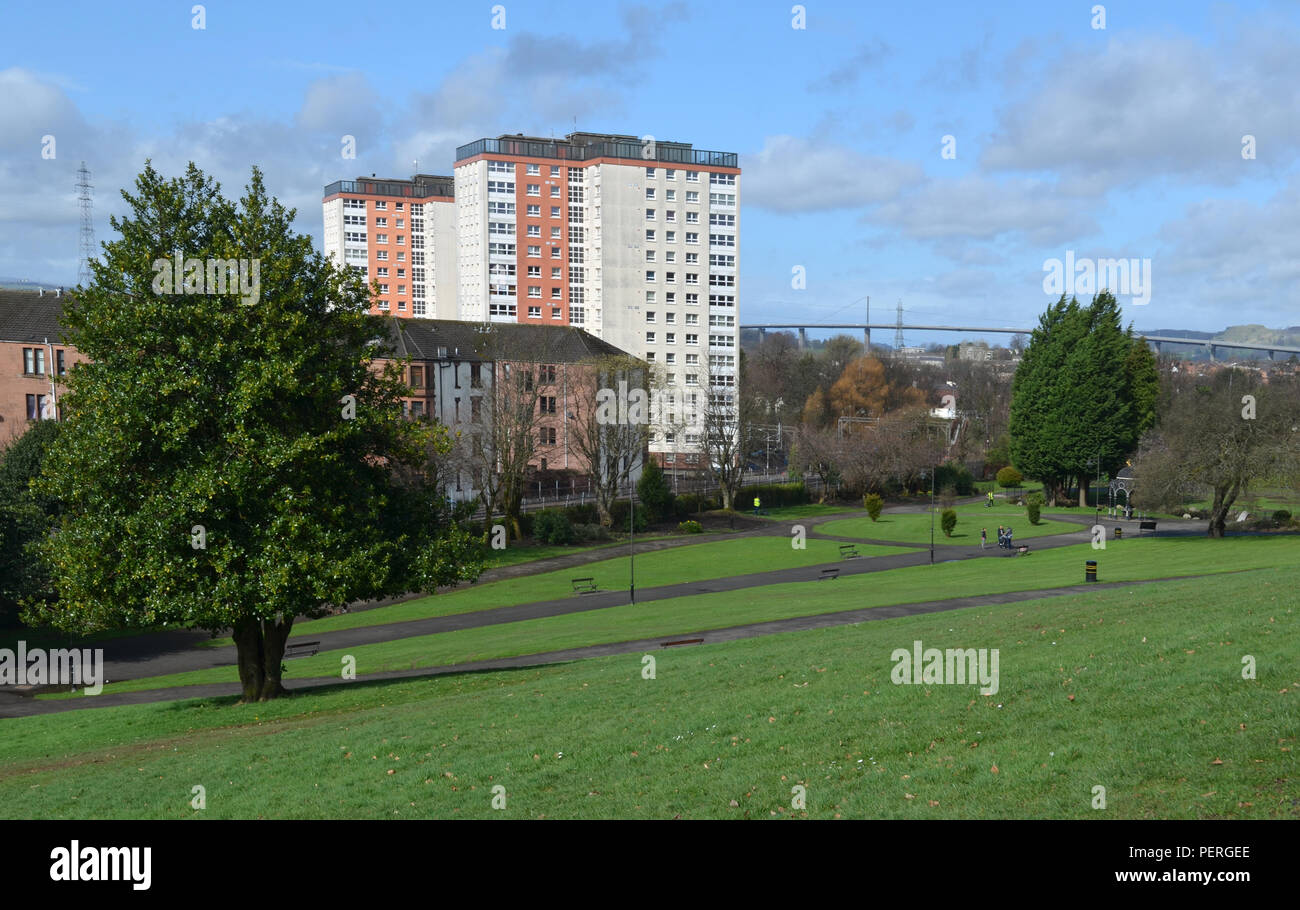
[828, 573]
[301, 649]
[584, 585]
[849, 551]
[684, 641]
[1146, 526]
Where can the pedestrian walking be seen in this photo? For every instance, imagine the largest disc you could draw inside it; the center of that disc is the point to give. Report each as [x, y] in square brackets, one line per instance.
[989, 504]
[984, 538]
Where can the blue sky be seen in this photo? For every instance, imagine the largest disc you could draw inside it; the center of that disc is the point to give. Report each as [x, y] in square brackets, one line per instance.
[1117, 142]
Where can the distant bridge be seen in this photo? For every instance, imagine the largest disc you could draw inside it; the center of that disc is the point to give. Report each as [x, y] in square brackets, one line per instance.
[1154, 340]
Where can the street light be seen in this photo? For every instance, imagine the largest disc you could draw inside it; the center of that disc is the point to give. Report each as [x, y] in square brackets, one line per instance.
[932, 473]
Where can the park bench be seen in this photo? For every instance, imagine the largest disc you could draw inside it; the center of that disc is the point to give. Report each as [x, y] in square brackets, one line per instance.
[1146, 526]
[301, 649]
[684, 641]
[849, 551]
[584, 585]
[828, 573]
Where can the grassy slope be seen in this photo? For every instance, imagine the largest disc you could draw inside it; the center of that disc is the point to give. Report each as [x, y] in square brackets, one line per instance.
[661, 567]
[915, 527]
[1127, 560]
[1161, 717]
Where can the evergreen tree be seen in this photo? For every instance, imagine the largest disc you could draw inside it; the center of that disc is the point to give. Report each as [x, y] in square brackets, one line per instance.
[228, 463]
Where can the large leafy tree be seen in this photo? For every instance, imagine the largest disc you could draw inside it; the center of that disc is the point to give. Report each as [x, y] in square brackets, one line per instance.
[25, 517]
[228, 463]
[1084, 393]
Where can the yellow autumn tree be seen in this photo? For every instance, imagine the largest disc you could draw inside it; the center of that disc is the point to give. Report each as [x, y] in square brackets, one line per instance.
[861, 390]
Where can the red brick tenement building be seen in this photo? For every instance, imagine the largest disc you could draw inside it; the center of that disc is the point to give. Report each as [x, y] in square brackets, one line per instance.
[453, 372]
[33, 359]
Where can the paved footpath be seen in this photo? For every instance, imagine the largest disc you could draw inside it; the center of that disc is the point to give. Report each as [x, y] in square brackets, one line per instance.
[164, 653]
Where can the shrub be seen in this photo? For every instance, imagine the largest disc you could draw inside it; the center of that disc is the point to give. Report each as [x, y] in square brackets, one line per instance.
[591, 531]
[873, 504]
[553, 526]
[652, 490]
[688, 504]
[956, 476]
[1281, 516]
[619, 513]
[1033, 506]
[948, 521]
[1010, 477]
[690, 527]
[583, 514]
[774, 495]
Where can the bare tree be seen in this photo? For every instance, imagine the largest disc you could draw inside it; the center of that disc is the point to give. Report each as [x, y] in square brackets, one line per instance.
[821, 451]
[609, 423]
[501, 441]
[723, 421]
[1217, 438]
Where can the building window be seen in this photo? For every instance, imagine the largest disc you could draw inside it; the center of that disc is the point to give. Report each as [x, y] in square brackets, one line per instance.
[546, 436]
[649, 214]
[555, 170]
[555, 312]
[534, 312]
[692, 176]
[670, 174]
[692, 339]
[649, 276]
[535, 252]
[670, 338]
[475, 376]
[555, 211]
[649, 193]
[417, 377]
[62, 367]
[534, 189]
[649, 337]
[534, 211]
[649, 235]
[650, 316]
[555, 194]
[546, 404]
[534, 170]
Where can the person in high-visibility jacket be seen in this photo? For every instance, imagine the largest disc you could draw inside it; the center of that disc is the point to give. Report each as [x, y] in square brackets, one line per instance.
[756, 505]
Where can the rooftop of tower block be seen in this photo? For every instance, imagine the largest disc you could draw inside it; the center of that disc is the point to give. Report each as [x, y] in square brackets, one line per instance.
[418, 187]
[586, 146]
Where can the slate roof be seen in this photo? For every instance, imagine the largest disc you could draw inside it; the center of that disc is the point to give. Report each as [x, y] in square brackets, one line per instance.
[466, 341]
[27, 316]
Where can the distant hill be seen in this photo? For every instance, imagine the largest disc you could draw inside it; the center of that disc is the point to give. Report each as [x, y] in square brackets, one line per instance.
[26, 284]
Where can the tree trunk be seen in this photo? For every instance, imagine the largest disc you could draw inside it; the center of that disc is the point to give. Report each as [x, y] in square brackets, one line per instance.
[1083, 492]
[1224, 497]
[259, 646]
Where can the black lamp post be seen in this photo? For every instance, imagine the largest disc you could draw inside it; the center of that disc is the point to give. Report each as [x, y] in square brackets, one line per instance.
[932, 479]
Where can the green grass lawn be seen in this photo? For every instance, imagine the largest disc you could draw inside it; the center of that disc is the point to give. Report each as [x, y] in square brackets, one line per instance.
[1128, 560]
[1139, 691]
[676, 565]
[809, 510]
[914, 527]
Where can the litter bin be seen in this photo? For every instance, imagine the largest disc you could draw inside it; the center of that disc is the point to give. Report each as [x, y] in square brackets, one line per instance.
[1090, 570]
[1119, 533]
